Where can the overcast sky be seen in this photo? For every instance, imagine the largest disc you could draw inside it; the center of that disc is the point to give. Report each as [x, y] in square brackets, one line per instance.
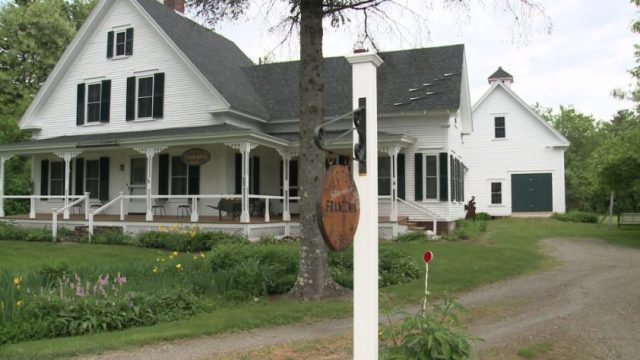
[586, 55]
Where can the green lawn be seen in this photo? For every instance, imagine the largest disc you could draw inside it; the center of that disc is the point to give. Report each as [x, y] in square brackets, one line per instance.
[509, 248]
[20, 256]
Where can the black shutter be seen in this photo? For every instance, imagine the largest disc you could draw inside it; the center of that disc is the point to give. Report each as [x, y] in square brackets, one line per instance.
[70, 174]
[462, 178]
[400, 176]
[105, 101]
[103, 192]
[80, 105]
[79, 176]
[418, 177]
[129, 42]
[255, 177]
[110, 44]
[459, 177]
[452, 180]
[163, 174]
[194, 180]
[281, 179]
[158, 95]
[238, 173]
[44, 177]
[444, 191]
[131, 98]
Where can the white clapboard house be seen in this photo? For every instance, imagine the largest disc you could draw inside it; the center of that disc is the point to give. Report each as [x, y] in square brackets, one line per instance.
[149, 118]
[515, 158]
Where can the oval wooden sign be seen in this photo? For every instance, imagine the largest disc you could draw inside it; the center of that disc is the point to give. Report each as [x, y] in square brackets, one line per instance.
[196, 157]
[338, 209]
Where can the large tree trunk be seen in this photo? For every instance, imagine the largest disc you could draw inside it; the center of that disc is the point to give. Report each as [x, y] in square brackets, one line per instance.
[314, 280]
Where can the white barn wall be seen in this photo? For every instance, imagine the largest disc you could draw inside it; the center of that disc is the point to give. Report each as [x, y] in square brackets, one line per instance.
[187, 100]
[527, 148]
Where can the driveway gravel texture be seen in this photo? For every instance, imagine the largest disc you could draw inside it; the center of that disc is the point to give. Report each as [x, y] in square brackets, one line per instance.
[588, 307]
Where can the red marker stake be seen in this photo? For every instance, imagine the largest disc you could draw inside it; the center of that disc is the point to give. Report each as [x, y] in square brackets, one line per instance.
[428, 256]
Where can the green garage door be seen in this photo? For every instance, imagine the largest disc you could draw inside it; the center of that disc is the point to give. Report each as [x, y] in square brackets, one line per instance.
[531, 192]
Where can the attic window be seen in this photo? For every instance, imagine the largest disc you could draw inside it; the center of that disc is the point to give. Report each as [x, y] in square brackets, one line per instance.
[122, 41]
[500, 130]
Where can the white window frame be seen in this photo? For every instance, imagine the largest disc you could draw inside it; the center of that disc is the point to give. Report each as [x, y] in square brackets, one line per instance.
[496, 181]
[85, 177]
[86, 103]
[51, 177]
[493, 127]
[115, 44]
[186, 176]
[138, 78]
[437, 176]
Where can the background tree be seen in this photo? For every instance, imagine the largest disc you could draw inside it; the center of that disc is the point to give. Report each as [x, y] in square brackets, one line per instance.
[314, 280]
[33, 35]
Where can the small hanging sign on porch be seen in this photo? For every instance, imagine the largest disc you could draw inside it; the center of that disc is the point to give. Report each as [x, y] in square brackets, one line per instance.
[196, 157]
[338, 208]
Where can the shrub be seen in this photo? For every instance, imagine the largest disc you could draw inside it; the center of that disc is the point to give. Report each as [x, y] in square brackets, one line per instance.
[467, 229]
[412, 236]
[187, 241]
[256, 269]
[51, 316]
[432, 334]
[52, 273]
[12, 232]
[577, 216]
[393, 267]
[111, 237]
[483, 216]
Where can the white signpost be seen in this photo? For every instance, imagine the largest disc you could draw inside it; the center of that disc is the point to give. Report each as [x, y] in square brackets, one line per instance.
[365, 243]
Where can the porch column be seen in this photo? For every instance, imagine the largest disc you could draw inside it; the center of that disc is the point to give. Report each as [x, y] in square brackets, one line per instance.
[3, 159]
[286, 173]
[67, 156]
[393, 157]
[245, 149]
[149, 152]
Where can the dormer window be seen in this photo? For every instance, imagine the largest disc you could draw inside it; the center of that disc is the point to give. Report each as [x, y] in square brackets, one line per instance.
[120, 43]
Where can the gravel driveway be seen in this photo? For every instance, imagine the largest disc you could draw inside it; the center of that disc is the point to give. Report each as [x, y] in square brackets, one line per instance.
[587, 308]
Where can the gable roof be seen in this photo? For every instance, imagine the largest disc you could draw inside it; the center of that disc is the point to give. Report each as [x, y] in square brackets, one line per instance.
[417, 80]
[564, 142]
[217, 58]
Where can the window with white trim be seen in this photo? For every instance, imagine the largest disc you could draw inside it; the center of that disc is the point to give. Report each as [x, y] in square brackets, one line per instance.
[496, 193]
[121, 41]
[500, 127]
[384, 175]
[145, 97]
[94, 96]
[179, 176]
[431, 177]
[56, 178]
[92, 178]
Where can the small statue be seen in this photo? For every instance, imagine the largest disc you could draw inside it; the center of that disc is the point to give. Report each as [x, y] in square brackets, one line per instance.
[471, 209]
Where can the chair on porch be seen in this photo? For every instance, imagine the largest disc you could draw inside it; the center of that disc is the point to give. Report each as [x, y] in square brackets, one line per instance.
[159, 206]
[185, 209]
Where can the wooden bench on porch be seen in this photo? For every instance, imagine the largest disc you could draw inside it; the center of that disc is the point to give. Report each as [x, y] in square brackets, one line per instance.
[629, 219]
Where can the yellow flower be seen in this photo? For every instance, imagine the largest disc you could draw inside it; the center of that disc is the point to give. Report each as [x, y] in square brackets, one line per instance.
[179, 267]
[202, 255]
[17, 281]
[155, 269]
[19, 303]
[195, 257]
[161, 259]
[171, 256]
[175, 253]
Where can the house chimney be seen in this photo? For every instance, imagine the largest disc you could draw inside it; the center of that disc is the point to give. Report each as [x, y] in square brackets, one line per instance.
[177, 5]
[501, 76]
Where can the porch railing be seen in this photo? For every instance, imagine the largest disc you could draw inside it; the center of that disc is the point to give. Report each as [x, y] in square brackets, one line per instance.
[32, 200]
[424, 211]
[65, 210]
[195, 199]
